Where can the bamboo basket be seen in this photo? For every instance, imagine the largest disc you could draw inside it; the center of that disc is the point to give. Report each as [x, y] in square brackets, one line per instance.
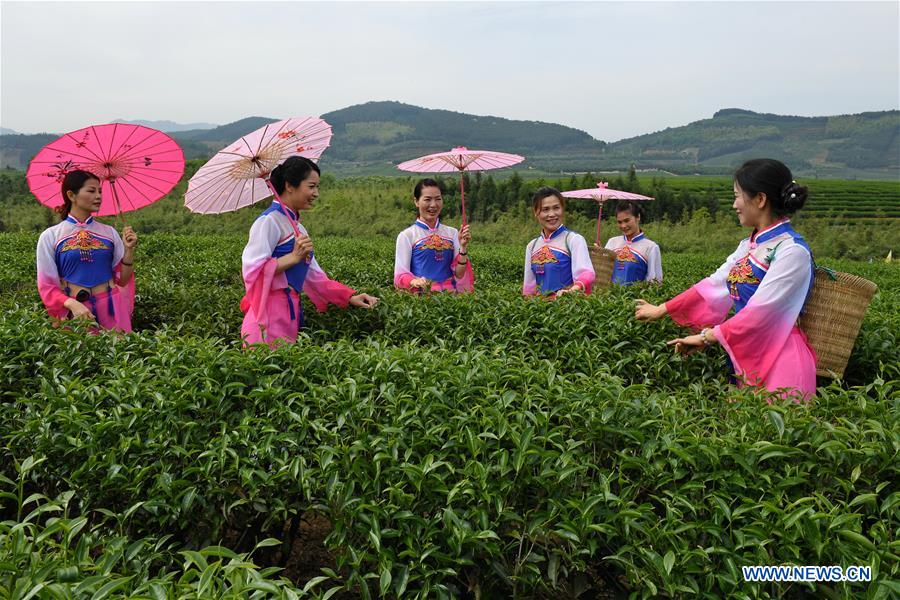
[832, 317]
[604, 261]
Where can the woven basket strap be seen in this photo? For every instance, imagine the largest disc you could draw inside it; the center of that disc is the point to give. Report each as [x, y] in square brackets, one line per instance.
[830, 272]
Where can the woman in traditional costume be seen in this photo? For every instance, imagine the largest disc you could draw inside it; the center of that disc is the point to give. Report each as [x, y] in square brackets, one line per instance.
[278, 262]
[557, 262]
[637, 256]
[766, 280]
[430, 255]
[85, 270]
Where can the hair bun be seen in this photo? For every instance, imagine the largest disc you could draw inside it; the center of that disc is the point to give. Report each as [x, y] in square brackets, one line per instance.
[793, 196]
[276, 175]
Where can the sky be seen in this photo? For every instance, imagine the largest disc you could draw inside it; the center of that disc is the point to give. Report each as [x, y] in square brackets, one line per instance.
[612, 69]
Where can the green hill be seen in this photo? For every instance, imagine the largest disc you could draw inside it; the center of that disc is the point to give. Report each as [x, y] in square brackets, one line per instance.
[377, 133]
[866, 144]
[371, 138]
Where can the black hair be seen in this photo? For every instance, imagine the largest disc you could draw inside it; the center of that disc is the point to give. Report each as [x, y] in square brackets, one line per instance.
[772, 178]
[631, 207]
[424, 183]
[545, 192]
[73, 182]
[294, 170]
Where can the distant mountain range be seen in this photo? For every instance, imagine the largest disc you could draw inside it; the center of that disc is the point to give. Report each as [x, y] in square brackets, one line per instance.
[168, 126]
[371, 138]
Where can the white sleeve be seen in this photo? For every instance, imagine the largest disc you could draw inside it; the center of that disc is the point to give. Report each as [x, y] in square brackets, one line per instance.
[784, 287]
[654, 264]
[403, 255]
[118, 246]
[581, 258]
[46, 255]
[264, 235]
[609, 243]
[529, 284]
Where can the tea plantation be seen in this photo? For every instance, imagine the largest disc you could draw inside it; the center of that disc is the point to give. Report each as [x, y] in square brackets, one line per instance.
[481, 446]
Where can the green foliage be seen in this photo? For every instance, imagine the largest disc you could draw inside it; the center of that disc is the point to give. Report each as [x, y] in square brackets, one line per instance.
[853, 219]
[483, 444]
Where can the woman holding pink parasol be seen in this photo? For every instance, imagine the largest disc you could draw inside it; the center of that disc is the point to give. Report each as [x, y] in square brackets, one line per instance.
[637, 256]
[278, 261]
[430, 255]
[84, 268]
[557, 262]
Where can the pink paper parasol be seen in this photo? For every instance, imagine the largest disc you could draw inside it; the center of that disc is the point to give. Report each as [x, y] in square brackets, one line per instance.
[601, 193]
[238, 175]
[461, 159]
[136, 165]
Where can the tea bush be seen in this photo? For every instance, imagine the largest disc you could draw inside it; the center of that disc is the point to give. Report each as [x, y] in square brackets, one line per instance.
[485, 446]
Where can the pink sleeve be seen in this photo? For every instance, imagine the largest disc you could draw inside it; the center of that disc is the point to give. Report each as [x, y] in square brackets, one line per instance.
[582, 267]
[48, 277]
[258, 283]
[401, 280]
[402, 258]
[466, 283]
[126, 291]
[52, 296]
[324, 291]
[700, 306]
[586, 278]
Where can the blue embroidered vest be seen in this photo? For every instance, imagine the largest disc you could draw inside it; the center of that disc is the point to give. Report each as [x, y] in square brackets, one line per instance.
[630, 265]
[747, 273]
[552, 267]
[432, 256]
[84, 257]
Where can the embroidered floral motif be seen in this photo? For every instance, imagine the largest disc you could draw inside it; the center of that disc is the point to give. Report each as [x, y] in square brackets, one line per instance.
[544, 256]
[624, 254]
[436, 242]
[84, 242]
[741, 272]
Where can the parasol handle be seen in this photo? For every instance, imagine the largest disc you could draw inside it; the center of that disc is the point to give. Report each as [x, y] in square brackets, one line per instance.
[112, 186]
[599, 217]
[462, 195]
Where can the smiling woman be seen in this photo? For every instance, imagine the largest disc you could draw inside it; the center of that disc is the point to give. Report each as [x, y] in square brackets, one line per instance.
[278, 261]
[84, 268]
[557, 262]
[766, 280]
[429, 255]
[637, 256]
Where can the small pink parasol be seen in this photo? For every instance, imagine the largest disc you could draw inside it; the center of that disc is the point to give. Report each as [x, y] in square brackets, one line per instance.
[601, 193]
[461, 159]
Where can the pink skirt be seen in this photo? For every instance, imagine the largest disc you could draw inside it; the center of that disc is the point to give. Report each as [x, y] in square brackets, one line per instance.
[111, 309]
[283, 320]
[795, 368]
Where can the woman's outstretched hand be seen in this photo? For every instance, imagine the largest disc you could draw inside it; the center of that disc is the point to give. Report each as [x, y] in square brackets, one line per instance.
[363, 301]
[644, 311]
[687, 345]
